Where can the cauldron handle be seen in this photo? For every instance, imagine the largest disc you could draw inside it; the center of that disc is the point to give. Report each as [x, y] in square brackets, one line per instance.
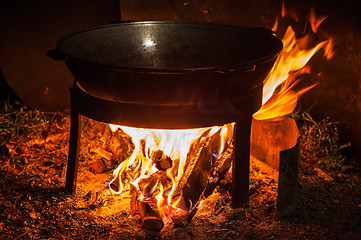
[56, 54]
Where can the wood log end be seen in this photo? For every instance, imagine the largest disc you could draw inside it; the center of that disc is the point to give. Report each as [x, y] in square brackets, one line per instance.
[180, 221]
[153, 223]
[99, 166]
[151, 219]
[183, 218]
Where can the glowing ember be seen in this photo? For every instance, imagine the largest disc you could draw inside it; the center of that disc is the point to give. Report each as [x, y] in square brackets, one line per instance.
[279, 96]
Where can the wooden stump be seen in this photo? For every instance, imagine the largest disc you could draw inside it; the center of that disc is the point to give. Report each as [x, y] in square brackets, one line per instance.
[288, 181]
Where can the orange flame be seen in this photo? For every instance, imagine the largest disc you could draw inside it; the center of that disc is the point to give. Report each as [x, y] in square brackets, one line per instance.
[279, 98]
[142, 172]
[314, 21]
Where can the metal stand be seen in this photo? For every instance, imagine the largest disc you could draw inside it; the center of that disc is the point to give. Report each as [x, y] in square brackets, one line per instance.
[240, 171]
[74, 141]
[129, 114]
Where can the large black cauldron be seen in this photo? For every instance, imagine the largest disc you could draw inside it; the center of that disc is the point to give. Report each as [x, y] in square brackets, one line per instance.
[168, 71]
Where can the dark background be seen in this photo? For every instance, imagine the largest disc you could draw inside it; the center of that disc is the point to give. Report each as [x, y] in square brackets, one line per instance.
[29, 28]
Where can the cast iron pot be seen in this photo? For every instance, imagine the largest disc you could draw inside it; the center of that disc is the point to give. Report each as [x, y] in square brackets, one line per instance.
[183, 67]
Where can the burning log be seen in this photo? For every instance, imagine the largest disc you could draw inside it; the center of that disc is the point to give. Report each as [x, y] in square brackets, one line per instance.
[182, 218]
[204, 166]
[162, 161]
[134, 210]
[219, 172]
[201, 175]
[151, 185]
[149, 213]
[195, 178]
[147, 186]
[143, 202]
[112, 152]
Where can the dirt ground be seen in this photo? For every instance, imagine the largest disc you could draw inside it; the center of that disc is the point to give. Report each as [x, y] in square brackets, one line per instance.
[33, 204]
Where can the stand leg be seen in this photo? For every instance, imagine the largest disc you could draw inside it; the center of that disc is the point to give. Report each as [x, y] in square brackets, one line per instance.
[72, 168]
[240, 171]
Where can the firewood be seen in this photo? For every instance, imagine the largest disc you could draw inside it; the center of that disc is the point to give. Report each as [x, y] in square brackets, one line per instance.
[148, 185]
[161, 161]
[150, 216]
[195, 145]
[107, 161]
[99, 166]
[134, 209]
[288, 181]
[166, 183]
[219, 172]
[116, 146]
[198, 170]
[182, 218]
[269, 137]
[194, 178]
[151, 185]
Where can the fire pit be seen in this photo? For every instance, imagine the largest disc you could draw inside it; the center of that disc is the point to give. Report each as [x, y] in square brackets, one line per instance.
[169, 75]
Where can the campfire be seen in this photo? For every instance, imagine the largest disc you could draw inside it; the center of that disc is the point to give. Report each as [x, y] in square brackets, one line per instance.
[169, 172]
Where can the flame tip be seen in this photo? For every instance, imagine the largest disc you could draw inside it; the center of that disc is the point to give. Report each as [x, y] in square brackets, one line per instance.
[288, 67]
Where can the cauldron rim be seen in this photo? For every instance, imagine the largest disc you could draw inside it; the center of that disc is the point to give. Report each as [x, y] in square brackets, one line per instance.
[245, 66]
